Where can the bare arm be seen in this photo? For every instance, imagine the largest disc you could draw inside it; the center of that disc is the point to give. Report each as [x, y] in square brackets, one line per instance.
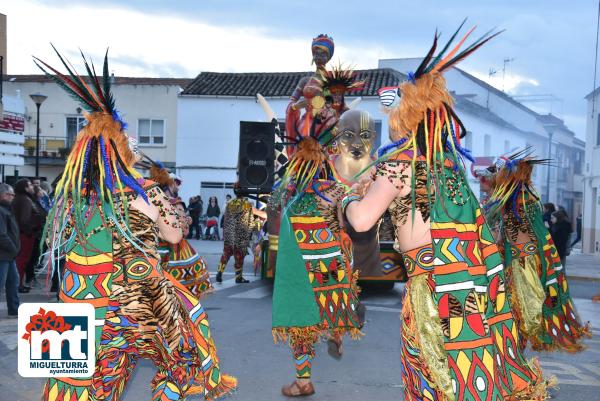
[168, 220]
[389, 184]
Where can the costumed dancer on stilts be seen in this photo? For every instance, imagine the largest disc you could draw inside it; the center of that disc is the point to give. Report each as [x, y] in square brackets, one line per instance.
[239, 221]
[107, 220]
[315, 293]
[536, 280]
[180, 260]
[459, 338]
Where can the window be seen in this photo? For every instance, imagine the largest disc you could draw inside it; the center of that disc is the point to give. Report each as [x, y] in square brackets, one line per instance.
[151, 132]
[468, 141]
[379, 138]
[487, 145]
[74, 125]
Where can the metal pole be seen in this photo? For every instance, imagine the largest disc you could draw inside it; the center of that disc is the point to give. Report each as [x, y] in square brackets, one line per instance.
[37, 143]
[548, 166]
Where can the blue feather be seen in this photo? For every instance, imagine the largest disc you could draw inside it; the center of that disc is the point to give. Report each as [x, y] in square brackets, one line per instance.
[392, 145]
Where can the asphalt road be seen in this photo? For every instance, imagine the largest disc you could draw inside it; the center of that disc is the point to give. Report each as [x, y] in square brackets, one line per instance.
[240, 316]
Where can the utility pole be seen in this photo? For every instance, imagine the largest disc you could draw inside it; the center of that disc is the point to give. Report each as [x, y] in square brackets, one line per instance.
[506, 61]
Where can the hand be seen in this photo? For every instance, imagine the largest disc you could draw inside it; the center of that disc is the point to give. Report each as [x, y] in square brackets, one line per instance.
[300, 104]
[362, 186]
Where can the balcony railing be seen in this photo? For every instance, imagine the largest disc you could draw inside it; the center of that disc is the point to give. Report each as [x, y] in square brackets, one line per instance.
[50, 146]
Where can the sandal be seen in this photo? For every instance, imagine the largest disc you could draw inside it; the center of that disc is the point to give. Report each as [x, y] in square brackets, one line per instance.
[298, 390]
[335, 348]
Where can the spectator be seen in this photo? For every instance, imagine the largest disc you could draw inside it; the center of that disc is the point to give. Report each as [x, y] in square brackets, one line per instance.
[44, 199]
[9, 249]
[30, 222]
[195, 210]
[212, 213]
[577, 230]
[547, 217]
[38, 200]
[227, 199]
[561, 232]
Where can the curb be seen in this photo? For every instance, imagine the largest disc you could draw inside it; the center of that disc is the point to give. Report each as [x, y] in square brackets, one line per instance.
[582, 278]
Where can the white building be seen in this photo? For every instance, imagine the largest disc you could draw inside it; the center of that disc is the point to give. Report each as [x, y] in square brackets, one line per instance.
[591, 213]
[516, 127]
[210, 110]
[149, 106]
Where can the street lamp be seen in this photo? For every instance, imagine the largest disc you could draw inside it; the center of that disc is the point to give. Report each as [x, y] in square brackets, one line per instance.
[38, 99]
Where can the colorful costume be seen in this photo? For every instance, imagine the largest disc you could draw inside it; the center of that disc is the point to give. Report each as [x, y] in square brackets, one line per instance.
[113, 264]
[315, 293]
[459, 338]
[181, 260]
[238, 224]
[536, 280]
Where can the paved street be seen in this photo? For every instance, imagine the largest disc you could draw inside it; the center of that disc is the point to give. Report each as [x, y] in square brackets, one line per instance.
[370, 370]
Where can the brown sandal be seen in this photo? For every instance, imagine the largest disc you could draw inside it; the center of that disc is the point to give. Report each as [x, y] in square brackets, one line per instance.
[335, 348]
[298, 390]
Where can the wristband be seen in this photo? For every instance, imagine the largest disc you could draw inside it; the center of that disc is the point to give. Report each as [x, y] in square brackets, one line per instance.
[348, 199]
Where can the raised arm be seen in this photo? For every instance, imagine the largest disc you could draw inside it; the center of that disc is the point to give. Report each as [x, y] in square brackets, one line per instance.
[392, 179]
[168, 221]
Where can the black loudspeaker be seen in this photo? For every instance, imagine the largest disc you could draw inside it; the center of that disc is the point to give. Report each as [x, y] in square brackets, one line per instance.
[256, 157]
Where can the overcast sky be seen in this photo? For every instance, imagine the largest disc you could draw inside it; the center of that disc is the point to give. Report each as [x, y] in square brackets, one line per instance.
[552, 42]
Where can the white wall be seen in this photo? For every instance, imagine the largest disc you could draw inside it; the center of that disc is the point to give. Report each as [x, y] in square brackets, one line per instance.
[208, 135]
[591, 187]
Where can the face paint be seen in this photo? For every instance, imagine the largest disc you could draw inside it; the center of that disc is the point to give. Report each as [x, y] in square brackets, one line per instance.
[357, 136]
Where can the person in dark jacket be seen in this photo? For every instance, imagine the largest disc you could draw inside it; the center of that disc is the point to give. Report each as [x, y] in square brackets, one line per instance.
[577, 230]
[9, 248]
[195, 209]
[549, 208]
[561, 233]
[31, 223]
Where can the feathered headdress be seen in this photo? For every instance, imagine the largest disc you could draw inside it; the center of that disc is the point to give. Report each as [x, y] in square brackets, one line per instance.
[160, 175]
[424, 118]
[423, 121]
[340, 80]
[100, 164]
[512, 186]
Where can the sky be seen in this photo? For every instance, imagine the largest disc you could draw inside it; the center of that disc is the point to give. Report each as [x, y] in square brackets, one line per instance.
[551, 43]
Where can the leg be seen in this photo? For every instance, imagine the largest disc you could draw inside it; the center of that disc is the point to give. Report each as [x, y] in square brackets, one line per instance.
[303, 356]
[227, 252]
[23, 258]
[12, 289]
[113, 370]
[33, 262]
[3, 276]
[238, 256]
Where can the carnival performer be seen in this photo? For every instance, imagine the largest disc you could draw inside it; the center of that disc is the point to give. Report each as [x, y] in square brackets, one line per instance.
[315, 293]
[180, 260]
[107, 220]
[240, 220]
[536, 280]
[355, 136]
[459, 337]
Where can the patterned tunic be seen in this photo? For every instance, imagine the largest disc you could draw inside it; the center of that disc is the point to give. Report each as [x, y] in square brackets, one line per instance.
[238, 224]
[460, 340]
[145, 314]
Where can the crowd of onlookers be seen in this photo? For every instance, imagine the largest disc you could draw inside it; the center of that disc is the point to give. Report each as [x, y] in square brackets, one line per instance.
[206, 223]
[23, 212]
